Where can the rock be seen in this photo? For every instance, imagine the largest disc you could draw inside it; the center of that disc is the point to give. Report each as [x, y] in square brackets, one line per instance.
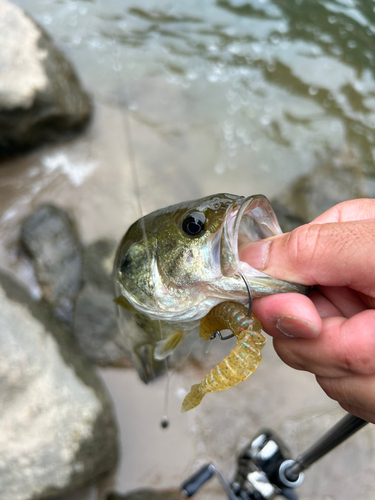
[50, 238]
[149, 494]
[40, 95]
[57, 430]
[288, 219]
[339, 179]
[96, 330]
[76, 283]
[95, 323]
[98, 264]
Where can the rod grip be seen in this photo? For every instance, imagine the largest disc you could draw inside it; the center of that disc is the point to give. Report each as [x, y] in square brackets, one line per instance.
[343, 429]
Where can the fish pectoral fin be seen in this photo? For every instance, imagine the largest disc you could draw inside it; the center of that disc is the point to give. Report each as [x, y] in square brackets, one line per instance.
[144, 362]
[166, 346]
[121, 301]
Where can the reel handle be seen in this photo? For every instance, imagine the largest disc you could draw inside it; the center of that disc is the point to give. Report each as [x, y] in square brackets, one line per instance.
[194, 482]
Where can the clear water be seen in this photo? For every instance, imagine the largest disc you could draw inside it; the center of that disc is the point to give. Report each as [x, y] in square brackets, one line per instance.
[277, 86]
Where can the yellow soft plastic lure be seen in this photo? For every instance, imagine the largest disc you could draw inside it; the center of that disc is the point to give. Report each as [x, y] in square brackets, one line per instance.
[242, 360]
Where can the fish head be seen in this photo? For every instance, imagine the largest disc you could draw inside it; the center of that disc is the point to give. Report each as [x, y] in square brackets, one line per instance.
[175, 264]
[170, 251]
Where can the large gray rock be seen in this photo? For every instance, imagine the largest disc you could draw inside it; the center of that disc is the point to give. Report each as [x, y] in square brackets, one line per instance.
[40, 95]
[57, 430]
[50, 238]
[338, 179]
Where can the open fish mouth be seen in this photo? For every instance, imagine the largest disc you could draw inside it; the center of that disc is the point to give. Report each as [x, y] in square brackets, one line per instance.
[247, 220]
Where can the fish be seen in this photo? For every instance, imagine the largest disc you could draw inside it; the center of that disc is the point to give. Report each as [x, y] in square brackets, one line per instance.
[173, 266]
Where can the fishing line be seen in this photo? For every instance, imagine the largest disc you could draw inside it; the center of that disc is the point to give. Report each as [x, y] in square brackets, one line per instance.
[137, 192]
[184, 359]
[164, 423]
[319, 415]
[208, 348]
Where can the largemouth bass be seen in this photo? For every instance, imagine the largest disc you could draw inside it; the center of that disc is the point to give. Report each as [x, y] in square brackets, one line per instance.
[175, 265]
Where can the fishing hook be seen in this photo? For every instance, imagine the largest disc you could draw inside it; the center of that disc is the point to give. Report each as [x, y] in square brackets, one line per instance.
[248, 292]
[218, 332]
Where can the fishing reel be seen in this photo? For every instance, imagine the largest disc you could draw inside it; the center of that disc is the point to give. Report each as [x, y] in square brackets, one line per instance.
[265, 469]
[256, 477]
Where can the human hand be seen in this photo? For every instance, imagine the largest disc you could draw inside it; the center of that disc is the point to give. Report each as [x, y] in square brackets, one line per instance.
[331, 333]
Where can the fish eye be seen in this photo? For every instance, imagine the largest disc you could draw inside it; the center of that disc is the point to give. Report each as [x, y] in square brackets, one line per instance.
[194, 223]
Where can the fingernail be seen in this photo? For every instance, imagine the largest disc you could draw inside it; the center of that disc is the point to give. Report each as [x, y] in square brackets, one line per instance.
[296, 327]
[256, 254]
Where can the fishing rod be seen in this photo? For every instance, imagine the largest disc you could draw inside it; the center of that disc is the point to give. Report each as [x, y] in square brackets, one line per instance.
[265, 469]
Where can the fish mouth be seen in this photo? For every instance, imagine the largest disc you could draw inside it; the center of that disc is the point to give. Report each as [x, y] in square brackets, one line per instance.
[247, 220]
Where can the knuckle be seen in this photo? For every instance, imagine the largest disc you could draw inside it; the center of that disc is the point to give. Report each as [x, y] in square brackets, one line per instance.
[303, 244]
[330, 387]
[284, 349]
[336, 389]
[351, 359]
[358, 352]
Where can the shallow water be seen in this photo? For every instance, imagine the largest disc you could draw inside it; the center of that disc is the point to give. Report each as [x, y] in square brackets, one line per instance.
[273, 86]
[194, 98]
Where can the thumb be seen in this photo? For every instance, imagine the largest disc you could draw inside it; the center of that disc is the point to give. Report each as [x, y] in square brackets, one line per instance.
[331, 254]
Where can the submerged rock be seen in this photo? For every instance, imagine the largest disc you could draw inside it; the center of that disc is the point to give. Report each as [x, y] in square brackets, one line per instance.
[50, 238]
[95, 320]
[57, 430]
[40, 95]
[339, 179]
[76, 282]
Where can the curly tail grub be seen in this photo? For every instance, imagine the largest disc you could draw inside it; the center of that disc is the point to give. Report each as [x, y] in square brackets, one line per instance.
[242, 360]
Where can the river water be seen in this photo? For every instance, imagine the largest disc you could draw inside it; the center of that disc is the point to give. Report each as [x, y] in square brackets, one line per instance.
[192, 98]
[266, 89]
